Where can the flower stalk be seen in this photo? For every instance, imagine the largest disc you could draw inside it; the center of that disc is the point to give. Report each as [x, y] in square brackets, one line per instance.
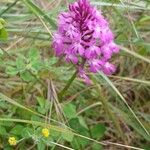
[61, 94]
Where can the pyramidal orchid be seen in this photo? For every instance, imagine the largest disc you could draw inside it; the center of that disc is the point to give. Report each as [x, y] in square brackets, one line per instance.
[85, 39]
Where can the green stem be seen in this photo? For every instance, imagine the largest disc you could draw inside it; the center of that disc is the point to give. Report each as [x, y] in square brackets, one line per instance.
[60, 95]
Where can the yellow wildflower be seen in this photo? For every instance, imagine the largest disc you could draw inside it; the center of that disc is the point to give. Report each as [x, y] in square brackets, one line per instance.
[45, 132]
[12, 141]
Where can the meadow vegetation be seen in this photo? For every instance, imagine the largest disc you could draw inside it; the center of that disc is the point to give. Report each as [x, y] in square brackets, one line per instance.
[38, 111]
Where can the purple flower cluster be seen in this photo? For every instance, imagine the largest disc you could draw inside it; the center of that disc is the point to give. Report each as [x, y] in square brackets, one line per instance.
[85, 39]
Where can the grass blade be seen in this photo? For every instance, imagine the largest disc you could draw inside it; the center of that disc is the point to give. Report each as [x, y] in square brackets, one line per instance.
[10, 6]
[123, 99]
[38, 12]
[135, 54]
[145, 82]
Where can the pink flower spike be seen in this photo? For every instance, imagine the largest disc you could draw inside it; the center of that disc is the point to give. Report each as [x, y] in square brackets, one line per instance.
[85, 39]
[58, 44]
[92, 52]
[77, 48]
[95, 65]
[71, 58]
[109, 68]
[114, 47]
[84, 76]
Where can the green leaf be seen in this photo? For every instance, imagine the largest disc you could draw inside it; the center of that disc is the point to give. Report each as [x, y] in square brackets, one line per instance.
[26, 76]
[20, 63]
[33, 54]
[96, 146]
[79, 143]
[41, 145]
[7, 147]
[41, 101]
[11, 70]
[27, 132]
[9, 124]
[36, 118]
[75, 125]
[36, 65]
[17, 130]
[3, 34]
[55, 134]
[52, 61]
[3, 131]
[47, 105]
[34, 59]
[70, 110]
[3, 105]
[44, 105]
[68, 136]
[82, 122]
[41, 110]
[98, 131]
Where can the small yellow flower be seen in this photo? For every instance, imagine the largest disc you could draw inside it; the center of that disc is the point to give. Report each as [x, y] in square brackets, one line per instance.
[12, 141]
[45, 132]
